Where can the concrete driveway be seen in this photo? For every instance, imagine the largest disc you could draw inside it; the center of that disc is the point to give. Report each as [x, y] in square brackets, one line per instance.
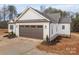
[20, 46]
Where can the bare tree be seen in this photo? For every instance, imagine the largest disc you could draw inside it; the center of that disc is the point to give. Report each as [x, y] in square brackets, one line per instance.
[4, 12]
[42, 8]
[12, 12]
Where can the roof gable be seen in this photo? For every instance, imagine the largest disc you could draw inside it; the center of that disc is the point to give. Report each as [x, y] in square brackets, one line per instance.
[31, 14]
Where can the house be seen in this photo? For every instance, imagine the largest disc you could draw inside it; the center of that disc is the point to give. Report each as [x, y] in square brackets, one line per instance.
[34, 24]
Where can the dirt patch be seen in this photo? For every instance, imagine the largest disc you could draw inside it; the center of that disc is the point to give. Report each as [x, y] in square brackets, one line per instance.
[66, 46]
[3, 31]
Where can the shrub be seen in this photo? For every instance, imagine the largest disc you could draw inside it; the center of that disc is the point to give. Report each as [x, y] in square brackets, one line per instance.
[48, 40]
[11, 35]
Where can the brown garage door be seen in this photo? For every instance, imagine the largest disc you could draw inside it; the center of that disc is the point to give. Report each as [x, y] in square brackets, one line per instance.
[31, 31]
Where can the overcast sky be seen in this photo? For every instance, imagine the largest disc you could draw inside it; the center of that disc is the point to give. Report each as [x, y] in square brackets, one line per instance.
[65, 7]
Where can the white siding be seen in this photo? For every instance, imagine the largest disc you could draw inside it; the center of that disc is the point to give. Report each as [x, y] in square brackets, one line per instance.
[31, 15]
[17, 30]
[65, 31]
[57, 30]
[53, 29]
[14, 28]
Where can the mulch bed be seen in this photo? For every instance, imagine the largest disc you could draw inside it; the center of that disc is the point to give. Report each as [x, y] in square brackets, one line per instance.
[62, 46]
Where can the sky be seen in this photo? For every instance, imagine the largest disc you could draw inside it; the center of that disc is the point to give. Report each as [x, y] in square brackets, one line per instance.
[64, 7]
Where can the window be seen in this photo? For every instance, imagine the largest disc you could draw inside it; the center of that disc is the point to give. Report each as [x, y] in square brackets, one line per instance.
[63, 27]
[11, 27]
[32, 26]
[21, 25]
[27, 26]
[39, 26]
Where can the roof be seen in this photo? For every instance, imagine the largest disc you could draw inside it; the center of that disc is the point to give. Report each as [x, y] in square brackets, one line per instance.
[65, 20]
[43, 14]
[55, 17]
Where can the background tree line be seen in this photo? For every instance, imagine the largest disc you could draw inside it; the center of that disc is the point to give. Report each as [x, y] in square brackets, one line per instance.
[9, 12]
[75, 23]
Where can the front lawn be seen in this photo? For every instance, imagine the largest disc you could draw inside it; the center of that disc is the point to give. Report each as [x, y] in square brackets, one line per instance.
[63, 46]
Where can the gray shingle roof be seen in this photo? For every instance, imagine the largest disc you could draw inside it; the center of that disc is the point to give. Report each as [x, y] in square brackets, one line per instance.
[65, 20]
[55, 17]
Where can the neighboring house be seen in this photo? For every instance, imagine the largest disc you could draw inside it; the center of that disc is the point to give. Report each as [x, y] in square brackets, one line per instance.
[34, 24]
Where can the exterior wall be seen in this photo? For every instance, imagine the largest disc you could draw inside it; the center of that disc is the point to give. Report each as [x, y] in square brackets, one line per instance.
[66, 31]
[53, 30]
[14, 28]
[57, 30]
[31, 15]
[45, 28]
[17, 30]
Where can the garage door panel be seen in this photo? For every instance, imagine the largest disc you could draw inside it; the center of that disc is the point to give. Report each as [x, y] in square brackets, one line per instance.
[33, 32]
